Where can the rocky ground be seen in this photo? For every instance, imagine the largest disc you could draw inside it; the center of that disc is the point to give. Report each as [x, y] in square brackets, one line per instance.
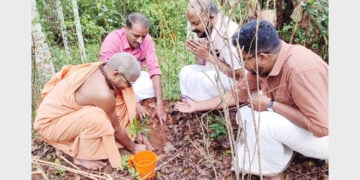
[187, 147]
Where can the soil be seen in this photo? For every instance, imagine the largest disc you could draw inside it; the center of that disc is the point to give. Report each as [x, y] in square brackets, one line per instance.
[185, 150]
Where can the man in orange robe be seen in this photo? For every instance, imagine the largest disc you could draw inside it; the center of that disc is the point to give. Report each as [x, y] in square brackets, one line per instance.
[84, 111]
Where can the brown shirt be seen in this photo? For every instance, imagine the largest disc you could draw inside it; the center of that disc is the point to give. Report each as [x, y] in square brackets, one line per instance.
[299, 79]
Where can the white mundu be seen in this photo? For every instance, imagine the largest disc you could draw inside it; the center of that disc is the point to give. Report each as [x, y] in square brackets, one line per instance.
[202, 82]
[278, 138]
[143, 87]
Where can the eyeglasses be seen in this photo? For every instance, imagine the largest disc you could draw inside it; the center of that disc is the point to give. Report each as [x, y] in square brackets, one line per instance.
[248, 58]
[130, 84]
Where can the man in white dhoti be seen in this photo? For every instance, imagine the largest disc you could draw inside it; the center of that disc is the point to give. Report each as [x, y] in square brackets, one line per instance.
[217, 66]
[289, 84]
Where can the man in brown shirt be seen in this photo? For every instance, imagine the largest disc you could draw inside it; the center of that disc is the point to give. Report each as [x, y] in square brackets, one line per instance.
[286, 87]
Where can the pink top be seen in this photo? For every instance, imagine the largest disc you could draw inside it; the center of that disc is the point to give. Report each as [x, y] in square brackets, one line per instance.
[116, 42]
[299, 79]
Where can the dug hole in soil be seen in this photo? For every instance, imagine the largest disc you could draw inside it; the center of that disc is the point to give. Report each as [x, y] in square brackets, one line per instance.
[184, 148]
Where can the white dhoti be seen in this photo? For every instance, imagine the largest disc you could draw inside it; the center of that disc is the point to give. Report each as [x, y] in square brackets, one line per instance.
[143, 87]
[278, 138]
[199, 83]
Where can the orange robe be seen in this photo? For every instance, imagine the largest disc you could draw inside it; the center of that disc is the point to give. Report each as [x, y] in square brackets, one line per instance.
[83, 132]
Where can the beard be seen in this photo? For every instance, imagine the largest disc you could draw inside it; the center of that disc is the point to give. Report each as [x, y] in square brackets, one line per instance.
[199, 34]
[261, 72]
[204, 34]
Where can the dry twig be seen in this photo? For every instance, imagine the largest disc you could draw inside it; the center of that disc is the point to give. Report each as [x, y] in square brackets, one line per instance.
[91, 175]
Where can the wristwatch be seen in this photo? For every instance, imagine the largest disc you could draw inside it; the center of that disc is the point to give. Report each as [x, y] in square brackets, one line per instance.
[270, 106]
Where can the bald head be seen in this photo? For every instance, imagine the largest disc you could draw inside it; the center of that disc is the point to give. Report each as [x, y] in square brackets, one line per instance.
[207, 7]
[125, 63]
[201, 14]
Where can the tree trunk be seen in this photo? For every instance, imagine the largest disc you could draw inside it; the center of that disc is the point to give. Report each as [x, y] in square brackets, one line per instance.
[41, 49]
[78, 31]
[63, 28]
[43, 68]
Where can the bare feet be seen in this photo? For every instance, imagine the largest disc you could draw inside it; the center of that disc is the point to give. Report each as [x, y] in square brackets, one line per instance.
[90, 164]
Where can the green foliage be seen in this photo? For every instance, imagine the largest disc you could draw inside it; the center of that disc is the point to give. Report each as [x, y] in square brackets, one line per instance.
[225, 152]
[136, 128]
[219, 131]
[217, 126]
[48, 157]
[36, 86]
[312, 33]
[159, 174]
[48, 19]
[236, 11]
[171, 61]
[286, 31]
[167, 18]
[124, 163]
[133, 173]
[34, 134]
[59, 56]
[59, 171]
[98, 18]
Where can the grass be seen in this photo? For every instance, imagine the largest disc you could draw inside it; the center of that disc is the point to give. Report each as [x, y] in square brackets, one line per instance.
[171, 60]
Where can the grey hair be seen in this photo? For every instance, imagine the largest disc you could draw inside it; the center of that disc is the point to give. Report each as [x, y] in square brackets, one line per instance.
[204, 6]
[137, 18]
[125, 63]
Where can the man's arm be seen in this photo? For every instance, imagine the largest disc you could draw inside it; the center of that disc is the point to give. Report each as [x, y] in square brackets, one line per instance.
[106, 101]
[309, 93]
[156, 80]
[261, 102]
[153, 68]
[189, 106]
[120, 133]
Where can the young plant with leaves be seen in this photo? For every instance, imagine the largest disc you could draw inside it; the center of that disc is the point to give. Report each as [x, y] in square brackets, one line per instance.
[136, 128]
[217, 126]
[124, 163]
